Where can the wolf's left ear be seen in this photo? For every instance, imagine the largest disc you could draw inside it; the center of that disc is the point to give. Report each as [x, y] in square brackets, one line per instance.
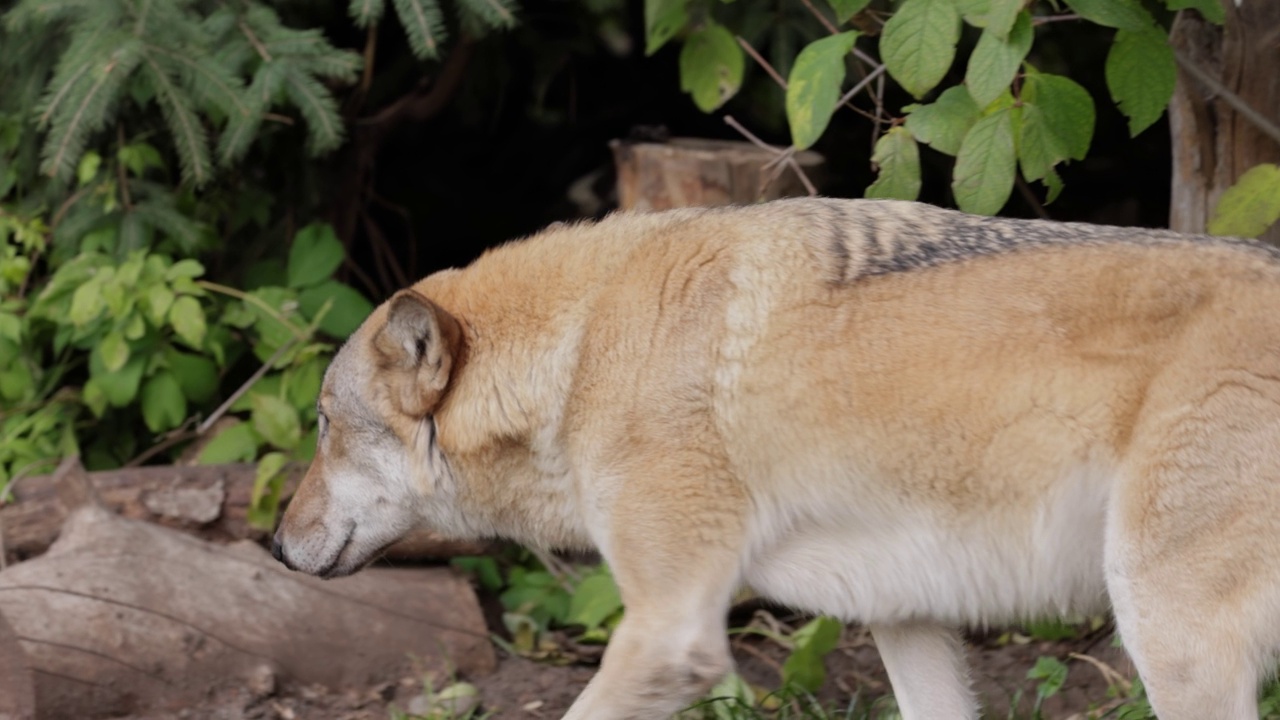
[418, 347]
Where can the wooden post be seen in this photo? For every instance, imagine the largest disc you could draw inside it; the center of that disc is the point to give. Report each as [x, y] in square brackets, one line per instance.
[693, 172]
[1213, 143]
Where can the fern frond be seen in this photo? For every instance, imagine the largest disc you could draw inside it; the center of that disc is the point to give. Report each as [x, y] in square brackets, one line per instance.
[166, 219]
[86, 110]
[133, 234]
[484, 15]
[318, 107]
[311, 48]
[366, 12]
[88, 48]
[267, 84]
[33, 13]
[189, 136]
[424, 26]
[211, 82]
[219, 23]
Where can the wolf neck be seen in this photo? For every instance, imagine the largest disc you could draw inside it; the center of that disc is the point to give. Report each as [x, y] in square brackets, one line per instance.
[501, 423]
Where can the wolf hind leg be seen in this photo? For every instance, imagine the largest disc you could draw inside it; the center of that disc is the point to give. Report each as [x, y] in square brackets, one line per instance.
[927, 669]
[1191, 552]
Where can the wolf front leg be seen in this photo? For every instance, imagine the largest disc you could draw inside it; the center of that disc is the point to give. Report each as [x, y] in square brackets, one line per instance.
[927, 669]
[675, 548]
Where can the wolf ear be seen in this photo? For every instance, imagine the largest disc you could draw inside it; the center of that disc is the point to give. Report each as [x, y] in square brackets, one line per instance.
[417, 348]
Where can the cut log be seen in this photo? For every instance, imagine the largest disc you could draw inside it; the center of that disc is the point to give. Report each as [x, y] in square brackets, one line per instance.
[210, 501]
[126, 616]
[692, 172]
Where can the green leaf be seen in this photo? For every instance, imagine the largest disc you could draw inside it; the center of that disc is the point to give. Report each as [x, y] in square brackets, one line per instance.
[237, 443]
[1002, 15]
[846, 9]
[985, 165]
[595, 600]
[1119, 14]
[898, 158]
[804, 667]
[349, 308]
[1054, 184]
[138, 157]
[1251, 205]
[814, 87]
[187, 318]
[95, 398]
[268, 482]
[156, 303]
[1039, 149]
[276, 421]
[164, 407]
[711, 65]
[1210, 9]
[115, 351]
[1141, 73]
[974, 12]
[995, 62]
[1068, 110]
[120, 387]
[919, 43]
[184, 269]
[662, 20]
[1051, 673]
[88, 167]
[196, 375]
[86, 304]
[315, 253]
[943, 124]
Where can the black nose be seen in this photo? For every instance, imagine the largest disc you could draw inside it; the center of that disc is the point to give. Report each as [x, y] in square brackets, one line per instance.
[277, 551]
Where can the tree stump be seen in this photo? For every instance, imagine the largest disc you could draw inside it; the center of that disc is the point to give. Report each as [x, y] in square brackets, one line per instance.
[1213, 144]
[692, 172]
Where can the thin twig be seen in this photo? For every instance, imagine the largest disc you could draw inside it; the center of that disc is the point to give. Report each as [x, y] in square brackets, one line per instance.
[253, 300]
[821, 18]
[277, 117]
[728, 119]
[370, 51]
[1235, 101]
[244, 388]
[871, 76]
[255, 42]
[1027, 194]
[762, 62]
[1046, 19]
[177, 436]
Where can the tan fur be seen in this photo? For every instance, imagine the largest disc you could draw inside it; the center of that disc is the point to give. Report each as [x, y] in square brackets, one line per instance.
[896, 414]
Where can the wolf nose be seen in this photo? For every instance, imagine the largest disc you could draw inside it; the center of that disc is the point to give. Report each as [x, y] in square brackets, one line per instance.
[277, 550]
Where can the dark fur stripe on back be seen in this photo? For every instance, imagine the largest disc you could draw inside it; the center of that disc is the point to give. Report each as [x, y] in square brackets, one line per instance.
[865, 238]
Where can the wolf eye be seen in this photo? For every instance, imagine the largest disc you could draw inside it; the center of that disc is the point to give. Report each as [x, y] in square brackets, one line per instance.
[322, 423]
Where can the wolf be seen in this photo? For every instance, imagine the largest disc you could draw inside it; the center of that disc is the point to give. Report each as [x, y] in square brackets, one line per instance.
[892, 413]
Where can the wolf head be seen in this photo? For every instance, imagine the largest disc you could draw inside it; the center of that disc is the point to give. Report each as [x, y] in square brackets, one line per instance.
[378, 470]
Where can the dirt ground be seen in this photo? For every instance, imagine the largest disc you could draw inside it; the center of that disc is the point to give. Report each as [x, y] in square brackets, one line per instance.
[522, 689]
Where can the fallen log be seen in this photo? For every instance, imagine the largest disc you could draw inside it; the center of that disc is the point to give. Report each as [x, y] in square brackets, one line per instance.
[121, 616]
[209, 501]
[17, 687]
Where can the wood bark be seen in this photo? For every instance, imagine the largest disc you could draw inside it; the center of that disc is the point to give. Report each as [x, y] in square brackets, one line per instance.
[690, 172]
[121, 616]
[209, 501]
[1213, 143]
